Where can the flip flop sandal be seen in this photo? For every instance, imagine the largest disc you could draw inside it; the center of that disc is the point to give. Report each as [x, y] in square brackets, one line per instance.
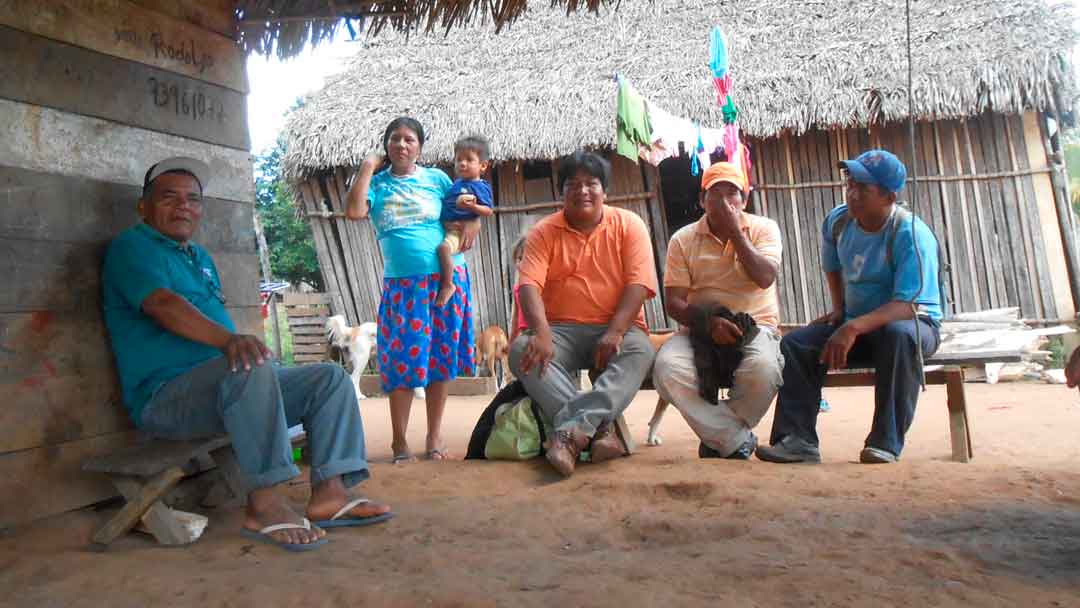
[340, 520]
[440, 452]
[263, 535]
[403, 458]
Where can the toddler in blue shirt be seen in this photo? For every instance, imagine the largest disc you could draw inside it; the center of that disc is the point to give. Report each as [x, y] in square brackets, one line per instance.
[468, 199]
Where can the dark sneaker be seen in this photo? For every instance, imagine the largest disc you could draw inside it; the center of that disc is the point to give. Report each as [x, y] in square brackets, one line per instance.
[789, 450]
[870, 455]
[743, 452]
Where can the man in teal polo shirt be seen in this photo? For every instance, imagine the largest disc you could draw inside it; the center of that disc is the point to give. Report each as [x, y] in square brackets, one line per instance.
[187, 374]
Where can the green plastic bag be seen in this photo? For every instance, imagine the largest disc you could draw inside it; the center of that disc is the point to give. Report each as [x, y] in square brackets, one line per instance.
[516, 434]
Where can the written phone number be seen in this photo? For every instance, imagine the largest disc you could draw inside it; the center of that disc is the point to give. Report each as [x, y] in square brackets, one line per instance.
[186, 102]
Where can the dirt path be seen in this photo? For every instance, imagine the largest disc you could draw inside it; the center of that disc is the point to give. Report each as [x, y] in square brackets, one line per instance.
[659, 529]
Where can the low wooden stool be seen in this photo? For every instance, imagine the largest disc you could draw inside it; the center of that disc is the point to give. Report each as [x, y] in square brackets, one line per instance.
[146, 471]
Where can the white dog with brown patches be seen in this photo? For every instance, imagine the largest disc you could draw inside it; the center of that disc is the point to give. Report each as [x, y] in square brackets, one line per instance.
[359, 342]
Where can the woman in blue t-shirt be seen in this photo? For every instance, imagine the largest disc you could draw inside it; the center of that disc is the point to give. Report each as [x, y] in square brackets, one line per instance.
[420, 344]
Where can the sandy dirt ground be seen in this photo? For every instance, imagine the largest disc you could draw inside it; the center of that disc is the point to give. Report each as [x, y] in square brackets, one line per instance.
[661, 528]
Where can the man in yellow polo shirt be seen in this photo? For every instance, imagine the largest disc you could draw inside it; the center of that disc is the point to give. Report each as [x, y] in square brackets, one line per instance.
[732, 258]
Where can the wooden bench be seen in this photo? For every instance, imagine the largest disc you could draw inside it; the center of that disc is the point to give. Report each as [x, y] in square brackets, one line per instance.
[146, 471]
[950, 373]
[947, 369]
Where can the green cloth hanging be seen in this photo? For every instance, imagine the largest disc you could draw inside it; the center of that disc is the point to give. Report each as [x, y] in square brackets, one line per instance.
[631, 121]
[730, 112]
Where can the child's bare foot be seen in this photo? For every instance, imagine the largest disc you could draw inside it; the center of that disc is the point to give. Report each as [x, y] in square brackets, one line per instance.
[445, 293]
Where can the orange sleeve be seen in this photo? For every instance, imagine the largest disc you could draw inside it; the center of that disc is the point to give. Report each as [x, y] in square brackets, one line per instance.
[638, 265]
[533, 268]
[677, 266]
[767, 240]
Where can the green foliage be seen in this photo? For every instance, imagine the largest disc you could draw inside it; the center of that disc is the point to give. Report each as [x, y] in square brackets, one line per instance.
[286, 358]
[1058, 354]
[288, 237]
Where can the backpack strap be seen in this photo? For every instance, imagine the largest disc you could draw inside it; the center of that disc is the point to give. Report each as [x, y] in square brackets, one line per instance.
[838, 228]
[901, 215]
[539, 416]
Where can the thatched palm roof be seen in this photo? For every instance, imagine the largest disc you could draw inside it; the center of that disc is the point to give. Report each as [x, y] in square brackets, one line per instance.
[285, 27]
[544, 86]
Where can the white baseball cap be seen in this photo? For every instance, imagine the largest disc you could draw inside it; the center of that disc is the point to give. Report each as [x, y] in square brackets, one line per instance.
[195, 167]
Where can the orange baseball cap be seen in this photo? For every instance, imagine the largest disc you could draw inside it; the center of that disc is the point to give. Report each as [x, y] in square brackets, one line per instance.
[722, 172]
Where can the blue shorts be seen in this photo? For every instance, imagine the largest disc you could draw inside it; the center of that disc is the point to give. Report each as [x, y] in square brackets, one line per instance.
[420, 343]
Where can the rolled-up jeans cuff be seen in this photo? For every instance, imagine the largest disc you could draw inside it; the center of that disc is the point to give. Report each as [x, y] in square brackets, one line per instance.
[272, 477]
[578, 425]
[351, 471]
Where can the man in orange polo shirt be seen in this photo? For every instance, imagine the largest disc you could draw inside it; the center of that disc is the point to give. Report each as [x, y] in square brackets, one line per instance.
[732, 258]
[585, 275]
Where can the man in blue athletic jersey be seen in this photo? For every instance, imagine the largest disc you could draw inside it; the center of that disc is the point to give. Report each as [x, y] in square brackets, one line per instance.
[881, 264]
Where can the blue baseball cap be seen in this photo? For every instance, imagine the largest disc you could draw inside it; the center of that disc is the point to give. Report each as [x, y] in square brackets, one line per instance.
[877, 167]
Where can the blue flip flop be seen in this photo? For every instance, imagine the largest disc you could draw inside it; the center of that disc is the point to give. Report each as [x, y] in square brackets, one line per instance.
[339, 520]
[263, 535]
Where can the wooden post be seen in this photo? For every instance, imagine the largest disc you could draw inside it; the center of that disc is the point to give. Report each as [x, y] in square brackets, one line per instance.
[1061, 205]
[623, 431]
[959, 431]
[807, 316]
[264, 262]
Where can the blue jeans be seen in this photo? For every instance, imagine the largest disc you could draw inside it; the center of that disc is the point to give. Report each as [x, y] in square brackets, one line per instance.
[890, 351]
[256, 408]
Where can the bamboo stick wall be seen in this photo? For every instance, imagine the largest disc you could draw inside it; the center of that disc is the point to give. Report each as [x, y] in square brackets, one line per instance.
[980, 188]
[352, 263]
[976, 189]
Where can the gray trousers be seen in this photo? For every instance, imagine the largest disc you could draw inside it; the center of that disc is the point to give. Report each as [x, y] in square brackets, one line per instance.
[256, 408]
[558, 391]
[727, 425]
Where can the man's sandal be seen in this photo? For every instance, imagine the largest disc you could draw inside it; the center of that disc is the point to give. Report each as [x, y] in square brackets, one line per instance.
[263, 535]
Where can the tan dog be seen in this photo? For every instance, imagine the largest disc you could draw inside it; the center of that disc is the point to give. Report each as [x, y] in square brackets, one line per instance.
[492, 347]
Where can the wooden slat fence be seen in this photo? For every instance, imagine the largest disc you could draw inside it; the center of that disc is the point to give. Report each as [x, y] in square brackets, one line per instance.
[352, 263]
[975, 189]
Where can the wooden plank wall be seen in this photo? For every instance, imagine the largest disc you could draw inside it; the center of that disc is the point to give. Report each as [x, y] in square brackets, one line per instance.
[91, 92]
[352, 263]
[991, 226]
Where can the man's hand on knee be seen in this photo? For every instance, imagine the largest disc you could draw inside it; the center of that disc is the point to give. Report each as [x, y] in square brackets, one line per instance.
[242, 350]
[606, 348]
[539, 351]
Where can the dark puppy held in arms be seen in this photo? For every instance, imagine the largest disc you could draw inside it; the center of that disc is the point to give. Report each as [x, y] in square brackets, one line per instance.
[716, 363]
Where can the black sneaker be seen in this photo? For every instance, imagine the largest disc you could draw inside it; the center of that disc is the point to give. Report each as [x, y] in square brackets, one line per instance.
[789, 450]
[743, 452]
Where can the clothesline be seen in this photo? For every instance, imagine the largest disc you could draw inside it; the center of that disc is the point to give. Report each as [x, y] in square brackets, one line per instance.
[645, 130]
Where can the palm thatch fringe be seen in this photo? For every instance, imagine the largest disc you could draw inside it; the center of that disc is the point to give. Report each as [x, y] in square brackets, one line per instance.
[544, 86]
[285, 27]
